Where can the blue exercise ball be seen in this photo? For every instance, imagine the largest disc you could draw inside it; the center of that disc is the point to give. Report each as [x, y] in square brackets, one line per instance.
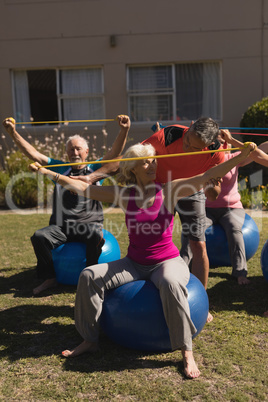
[70, 258]
[133, 316]
[217, 245]
[264, 260]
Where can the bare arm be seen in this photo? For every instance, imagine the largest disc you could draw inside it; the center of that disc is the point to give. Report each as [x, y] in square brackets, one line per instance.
[111, 194]
[262, 157]
[180, 188]
[121, 139]
[259, 155]
[109, 169]
[227, 136]
[24, 146]
[264, 147]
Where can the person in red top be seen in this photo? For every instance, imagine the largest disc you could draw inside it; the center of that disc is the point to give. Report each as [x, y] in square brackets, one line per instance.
[180, 139]
[200, 136]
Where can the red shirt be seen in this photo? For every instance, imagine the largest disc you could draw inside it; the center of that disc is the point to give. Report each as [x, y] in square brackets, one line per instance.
[169, 140]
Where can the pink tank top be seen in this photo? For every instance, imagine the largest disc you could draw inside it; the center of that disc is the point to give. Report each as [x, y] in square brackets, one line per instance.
[150, 231]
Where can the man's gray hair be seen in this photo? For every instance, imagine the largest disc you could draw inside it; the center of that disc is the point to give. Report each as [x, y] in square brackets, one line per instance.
[207, 129]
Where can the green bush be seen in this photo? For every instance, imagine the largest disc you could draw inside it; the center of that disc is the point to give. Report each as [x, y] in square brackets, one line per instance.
[256, 116]
[252, 197]
[24, 190]
[4, 179]
[24, 193]
[16, 163]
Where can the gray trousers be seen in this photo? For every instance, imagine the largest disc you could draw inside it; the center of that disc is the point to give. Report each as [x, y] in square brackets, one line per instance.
[170, 277]
[232, 220]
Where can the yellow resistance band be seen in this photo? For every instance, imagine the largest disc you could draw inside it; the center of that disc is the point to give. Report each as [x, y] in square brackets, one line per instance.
[147, 157]
[62, 121]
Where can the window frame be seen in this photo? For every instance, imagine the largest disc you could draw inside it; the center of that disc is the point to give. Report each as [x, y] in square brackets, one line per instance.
[173, 91]
[61, 96]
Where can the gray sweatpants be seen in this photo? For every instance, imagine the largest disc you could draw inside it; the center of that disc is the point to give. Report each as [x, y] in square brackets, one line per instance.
[170, 277]
[232, 220]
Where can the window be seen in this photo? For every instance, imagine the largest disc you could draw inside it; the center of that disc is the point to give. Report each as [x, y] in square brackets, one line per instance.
[174, 92]
[51, 95]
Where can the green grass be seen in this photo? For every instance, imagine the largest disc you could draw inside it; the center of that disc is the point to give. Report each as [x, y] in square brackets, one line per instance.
[231, 351]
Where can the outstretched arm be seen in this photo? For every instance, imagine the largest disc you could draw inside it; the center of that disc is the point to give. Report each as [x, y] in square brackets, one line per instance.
[109, 169]
[24, 146]
[264, 147]
[109, 194]
[259, 155]
[184, 187]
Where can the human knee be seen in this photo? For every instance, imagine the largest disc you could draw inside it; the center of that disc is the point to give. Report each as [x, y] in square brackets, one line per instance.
[169, 286]
[37, 237]
[86, 275]
[90, 277]
[236, 232]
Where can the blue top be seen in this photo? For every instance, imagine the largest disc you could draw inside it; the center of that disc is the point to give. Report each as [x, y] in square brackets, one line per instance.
[63, 169]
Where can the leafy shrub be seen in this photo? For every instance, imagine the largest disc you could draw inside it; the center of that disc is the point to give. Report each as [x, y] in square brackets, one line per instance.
[16, 163]
[24, 193]
[23, 185]
[252, 197]
[4, 179]
[256, 116]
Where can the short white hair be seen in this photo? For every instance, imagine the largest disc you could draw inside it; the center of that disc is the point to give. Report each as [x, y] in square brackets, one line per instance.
[77, 137]
[135, 151]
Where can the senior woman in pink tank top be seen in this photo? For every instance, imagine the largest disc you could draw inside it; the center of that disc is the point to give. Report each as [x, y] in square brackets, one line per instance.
[148, 207]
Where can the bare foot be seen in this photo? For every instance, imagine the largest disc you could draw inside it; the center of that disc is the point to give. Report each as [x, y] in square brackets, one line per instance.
[265, 314]
[190, 367]
[49, 283]
[209, 317]
[242, 280]
[82, 348]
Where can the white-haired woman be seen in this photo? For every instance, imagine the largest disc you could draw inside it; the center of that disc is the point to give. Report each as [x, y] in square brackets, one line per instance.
[151, 254]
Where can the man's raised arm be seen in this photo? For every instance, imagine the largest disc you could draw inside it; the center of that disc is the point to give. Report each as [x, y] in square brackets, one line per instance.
[24, 146]
[109, 169]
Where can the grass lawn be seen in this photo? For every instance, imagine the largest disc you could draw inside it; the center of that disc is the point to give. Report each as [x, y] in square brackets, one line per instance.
[231, 351]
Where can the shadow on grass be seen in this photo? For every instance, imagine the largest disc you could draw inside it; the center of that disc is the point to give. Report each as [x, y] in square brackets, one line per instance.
[31, 331]
[35, 330]
[22, 283]
[229, 296]
[113, 357]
